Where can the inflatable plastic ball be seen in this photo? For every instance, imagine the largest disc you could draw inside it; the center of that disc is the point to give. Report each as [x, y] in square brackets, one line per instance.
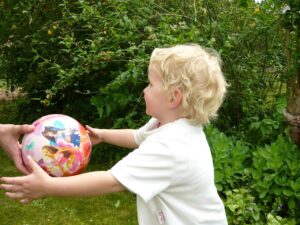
[59, 144]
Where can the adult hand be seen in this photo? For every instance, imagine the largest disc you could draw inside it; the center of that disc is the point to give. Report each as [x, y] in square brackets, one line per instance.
[9, 141]
[27, 188]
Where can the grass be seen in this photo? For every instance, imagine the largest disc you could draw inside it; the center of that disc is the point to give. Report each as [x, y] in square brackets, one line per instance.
[112, 209]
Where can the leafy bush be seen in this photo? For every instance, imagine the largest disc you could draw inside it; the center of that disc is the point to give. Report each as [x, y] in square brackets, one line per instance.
[263, 130]
[277, 220]
[241, 207]
[276, 174]
[65, 53]
[231, 159]
[270, 173]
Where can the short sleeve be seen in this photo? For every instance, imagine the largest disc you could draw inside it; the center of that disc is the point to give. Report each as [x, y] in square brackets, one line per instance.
[147, 170]
[141, 133]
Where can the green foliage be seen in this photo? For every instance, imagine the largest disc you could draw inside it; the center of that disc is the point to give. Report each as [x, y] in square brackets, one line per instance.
[231, 159]
[242, 208]
[275, 173]
[69, 52]
[264, 130]
[253, 67]
[270, 173]
[277, 220]
[9, 112]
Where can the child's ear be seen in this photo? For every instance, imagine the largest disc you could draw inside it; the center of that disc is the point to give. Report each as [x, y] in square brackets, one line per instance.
[176, 98]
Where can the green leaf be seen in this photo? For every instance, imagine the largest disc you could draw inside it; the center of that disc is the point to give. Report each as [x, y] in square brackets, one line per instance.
[277, 191]
[287, 192]
[292, 204]
[263, 194]
[296, 185]
[243, 3]
[219, 187]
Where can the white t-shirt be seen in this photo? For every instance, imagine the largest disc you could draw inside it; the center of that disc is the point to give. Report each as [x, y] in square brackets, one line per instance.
[172, 174]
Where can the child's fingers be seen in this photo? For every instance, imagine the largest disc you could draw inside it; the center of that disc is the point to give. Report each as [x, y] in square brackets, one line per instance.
[15, 195]
[12, 180]
[92, 132]
[90, 129]
[11, 188]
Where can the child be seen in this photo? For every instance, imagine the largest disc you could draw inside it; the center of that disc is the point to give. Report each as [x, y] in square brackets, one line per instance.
[171, 169]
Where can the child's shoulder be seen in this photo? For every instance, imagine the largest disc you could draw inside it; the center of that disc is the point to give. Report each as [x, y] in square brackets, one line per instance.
[178, 131]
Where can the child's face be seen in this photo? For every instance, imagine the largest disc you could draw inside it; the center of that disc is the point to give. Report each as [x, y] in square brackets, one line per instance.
[156, 97]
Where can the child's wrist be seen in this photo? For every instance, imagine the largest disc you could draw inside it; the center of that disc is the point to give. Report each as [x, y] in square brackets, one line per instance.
[102, 135]
[1, 128]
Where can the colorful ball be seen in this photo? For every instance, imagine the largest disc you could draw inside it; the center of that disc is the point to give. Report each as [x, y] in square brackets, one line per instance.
[59, 144]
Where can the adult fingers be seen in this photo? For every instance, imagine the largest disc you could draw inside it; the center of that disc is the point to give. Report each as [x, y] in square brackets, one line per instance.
[25, 128]
[20, 166]
[32, 164]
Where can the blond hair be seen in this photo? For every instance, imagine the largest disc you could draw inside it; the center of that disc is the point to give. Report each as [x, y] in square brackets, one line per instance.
[197, 73]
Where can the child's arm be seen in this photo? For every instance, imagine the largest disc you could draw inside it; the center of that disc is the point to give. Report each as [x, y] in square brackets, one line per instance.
[39, 184]
[120, 137]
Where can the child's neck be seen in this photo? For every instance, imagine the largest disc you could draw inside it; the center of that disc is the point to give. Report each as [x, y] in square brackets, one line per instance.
[170, 115]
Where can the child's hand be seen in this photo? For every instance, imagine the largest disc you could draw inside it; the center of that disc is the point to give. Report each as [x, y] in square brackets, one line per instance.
[27, 188]
[95, 135]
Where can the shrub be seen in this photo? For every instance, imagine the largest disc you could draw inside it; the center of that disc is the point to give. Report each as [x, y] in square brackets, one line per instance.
[231, 159]
[276, 174]
[241, 207]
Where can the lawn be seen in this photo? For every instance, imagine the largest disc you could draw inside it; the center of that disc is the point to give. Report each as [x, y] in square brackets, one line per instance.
[113, 209]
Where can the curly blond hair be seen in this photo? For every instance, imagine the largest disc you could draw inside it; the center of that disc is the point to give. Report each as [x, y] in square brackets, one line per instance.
[196, 71]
